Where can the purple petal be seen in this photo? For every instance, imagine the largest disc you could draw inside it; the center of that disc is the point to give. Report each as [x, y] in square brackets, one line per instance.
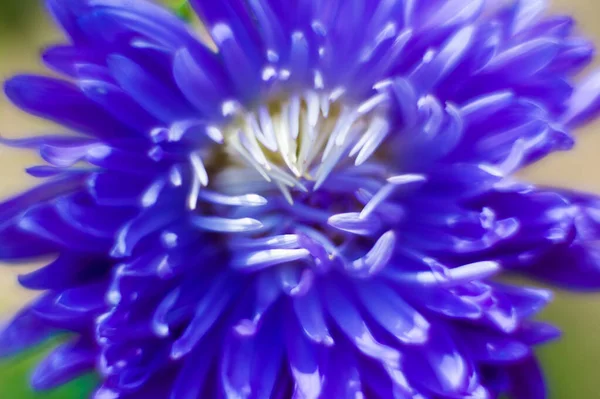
[208, 311]
[378, 257]
[64, 364]
[585, 102]
[525, 59]
[118, 104]
[65, 59]
[156, 98]
[191, 379]
[67, 271]
[350, 321]
[61, 102]
[353, 223]
[393, 313]
[205, 90]
[304, 364]
[527, 381]
[24, 331]
[312, 320]
[74, 308]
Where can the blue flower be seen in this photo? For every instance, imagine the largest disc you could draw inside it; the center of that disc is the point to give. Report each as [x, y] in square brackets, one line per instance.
[314, 203]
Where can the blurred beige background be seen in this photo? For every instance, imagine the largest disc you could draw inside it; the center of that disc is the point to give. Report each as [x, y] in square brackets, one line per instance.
[578, 315]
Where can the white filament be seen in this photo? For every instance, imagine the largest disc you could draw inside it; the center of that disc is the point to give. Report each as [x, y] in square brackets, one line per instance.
[304, 138]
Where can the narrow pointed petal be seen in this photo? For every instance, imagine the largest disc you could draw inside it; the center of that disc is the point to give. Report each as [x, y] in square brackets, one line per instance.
[65, 363]
[395, 315]
[24, 331]
[61, 102]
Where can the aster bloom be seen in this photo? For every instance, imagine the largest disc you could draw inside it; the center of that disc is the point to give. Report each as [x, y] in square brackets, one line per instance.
[314, 204]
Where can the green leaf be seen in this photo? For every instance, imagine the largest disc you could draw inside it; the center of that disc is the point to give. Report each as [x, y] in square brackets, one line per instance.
[15, 373]
[15, 13]
[182, 8]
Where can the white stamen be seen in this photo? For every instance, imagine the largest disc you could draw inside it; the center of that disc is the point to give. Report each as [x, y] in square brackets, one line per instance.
[319, 82]
[268, 73]
[325, 106]
[199, 169]
[239, 200]
[327, 167]
[230, 108]
[221, 32]
[313, 108]
[406, 179]
[374, 137]
[307, 136]
[193, 195]
[284, 74]
[383, 85]
[389, 31]
[215, 134]
[175, 176]
[377, 199]
[294, 116]
[286, 192]
[287, 146]
[336, 94]
[307, 139]
[253, 128]
[266, 124]
[280, 175]
[235, 143]
[150, 196]
[372, 103]
[342, 134]
[218, 224]
[344, 122]
[268, 257]
[169, 239]
[249, 140]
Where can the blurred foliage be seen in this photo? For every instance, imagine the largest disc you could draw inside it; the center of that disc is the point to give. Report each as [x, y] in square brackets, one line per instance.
[14, 14]
[182, 8]
[15, 373]
[570, 363]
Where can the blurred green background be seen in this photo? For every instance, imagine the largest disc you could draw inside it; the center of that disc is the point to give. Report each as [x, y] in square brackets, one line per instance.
[570, 364]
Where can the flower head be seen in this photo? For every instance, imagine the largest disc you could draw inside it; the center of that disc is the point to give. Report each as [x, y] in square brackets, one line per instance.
[314, 204]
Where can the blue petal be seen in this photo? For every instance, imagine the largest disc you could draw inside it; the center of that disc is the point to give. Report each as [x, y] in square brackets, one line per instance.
[67, 271]
[393, 313]
[304, 363]
[118, 104]
[232, 30]
[125, 16]
[61, 102]
[585, 102]
[208, 311]
[201, 79]
[64, 13]
[350, 321]
[524, 59]
[72, 309]
[310, 314]
[65, 363]
[65, 59]
[527, 381]
[24, 331]
[159, 100]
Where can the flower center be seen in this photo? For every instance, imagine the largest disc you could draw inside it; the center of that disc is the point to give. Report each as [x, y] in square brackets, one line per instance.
[296, 143]
[324, 154]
